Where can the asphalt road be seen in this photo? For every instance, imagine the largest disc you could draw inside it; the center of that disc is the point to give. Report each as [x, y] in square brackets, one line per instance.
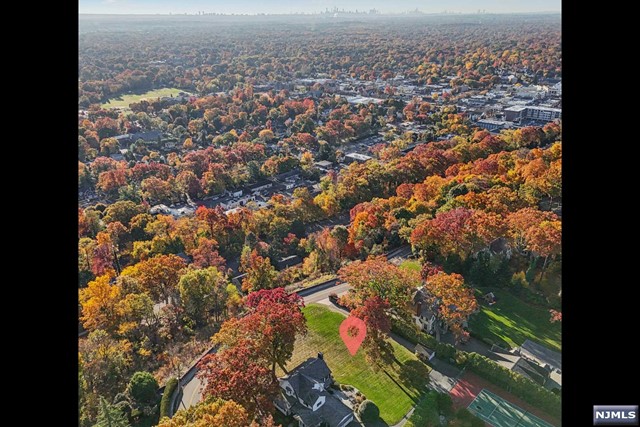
[324, 293]
[191, 393]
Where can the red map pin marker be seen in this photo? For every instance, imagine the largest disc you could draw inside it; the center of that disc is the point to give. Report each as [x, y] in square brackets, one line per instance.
[352, 332]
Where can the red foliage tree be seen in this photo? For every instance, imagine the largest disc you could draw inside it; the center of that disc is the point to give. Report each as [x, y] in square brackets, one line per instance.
[237, 373]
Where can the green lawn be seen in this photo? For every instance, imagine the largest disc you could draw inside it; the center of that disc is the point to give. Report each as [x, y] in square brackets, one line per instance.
[394, 389]
[411, 264]
[511, 321]
[124, 100]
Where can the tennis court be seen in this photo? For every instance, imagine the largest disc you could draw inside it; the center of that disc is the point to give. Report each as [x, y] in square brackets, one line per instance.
[498, 412]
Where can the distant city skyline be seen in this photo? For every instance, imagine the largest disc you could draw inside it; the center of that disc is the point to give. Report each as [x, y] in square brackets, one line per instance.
[312, 6]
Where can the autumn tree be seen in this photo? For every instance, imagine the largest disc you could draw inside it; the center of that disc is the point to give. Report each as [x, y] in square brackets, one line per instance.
[137, 318]
[99, 302]
[276, 318]
[158, 275]
[211, 412]
[378, 277]
[203, 292]
[459, 231]
[455, 301]
[260, 274]
[374, 313]
[234, 300]
[238, 373]
[104, 256]
[206, 254]
[536, 233]
[188, 183]
[105, 362]
[122, 211]
[325, 252]
[250, 347]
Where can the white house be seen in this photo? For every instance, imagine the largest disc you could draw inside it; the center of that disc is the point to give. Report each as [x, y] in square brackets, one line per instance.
[305, 395]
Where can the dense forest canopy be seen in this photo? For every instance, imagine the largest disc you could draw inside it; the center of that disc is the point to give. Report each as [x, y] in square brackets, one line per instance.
[191, 204]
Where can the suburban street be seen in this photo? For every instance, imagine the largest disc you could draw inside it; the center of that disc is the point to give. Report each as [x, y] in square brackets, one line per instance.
[324, 293]
[191, 393]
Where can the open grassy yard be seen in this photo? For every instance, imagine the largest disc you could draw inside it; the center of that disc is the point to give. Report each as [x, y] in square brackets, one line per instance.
[124, 100]
[394, 389]
[512, 321]
[411, 264]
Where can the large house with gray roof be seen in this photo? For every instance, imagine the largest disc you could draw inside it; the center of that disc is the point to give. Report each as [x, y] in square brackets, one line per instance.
[306, 396]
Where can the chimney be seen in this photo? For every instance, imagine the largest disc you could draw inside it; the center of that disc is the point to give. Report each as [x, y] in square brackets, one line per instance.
[418, 308]
[320, 356]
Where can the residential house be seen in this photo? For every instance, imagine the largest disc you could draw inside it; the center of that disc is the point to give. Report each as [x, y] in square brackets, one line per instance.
[324, 165]
[152, 136]
[175, 211]
[288, 261]
[356, 157]
[424, 353]
[424, 312]
[306, 396]
[258, 186]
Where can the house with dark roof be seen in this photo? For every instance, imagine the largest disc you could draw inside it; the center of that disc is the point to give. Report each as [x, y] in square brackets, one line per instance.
[424, 312]
[306, 396]
[288, 261]
[151, 136]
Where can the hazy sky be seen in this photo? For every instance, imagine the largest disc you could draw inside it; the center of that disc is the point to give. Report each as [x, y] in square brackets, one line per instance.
[288, 6]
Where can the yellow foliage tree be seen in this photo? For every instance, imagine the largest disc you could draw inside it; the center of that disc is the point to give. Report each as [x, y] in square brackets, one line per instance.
[99, 302]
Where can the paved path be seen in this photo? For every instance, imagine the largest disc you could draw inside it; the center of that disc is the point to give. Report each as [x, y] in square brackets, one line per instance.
[323, 293]
[443, 377]
[191, 393]
[473, 345]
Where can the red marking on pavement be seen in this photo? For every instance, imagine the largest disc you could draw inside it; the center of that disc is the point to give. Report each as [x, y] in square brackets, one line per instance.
[464, 392]
[352, 332]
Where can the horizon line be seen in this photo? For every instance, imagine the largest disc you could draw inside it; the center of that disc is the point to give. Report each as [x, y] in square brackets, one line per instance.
[321, 13]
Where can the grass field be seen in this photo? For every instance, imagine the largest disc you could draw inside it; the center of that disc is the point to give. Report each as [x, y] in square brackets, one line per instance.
[511, 321]
[411, 264]
[394, 389]
[124, 100]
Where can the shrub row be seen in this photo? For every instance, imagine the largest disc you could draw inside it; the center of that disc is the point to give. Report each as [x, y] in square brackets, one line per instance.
[165, 403]
[410, 332]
